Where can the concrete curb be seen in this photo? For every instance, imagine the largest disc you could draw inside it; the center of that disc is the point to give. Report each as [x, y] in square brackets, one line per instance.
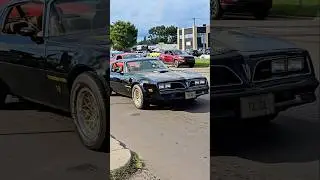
[123, 162]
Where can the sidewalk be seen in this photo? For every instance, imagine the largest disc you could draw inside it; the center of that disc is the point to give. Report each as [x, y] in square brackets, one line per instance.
[124, 164]
[120, 158]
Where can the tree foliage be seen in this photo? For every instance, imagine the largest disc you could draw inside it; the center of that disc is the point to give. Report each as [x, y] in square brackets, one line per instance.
[123, 35]
[162, 34]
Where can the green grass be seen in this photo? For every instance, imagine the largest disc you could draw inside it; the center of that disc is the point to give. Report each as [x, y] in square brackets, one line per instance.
[132, 167]
[307, 8]
[202, 63]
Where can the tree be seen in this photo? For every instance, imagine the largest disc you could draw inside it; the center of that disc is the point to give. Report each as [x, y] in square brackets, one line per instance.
[163, 34]
[123, 35]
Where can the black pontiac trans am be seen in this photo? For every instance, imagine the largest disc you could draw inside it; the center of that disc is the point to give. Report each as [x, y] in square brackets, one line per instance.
[255, 77]
[148, 81]
[61, 62]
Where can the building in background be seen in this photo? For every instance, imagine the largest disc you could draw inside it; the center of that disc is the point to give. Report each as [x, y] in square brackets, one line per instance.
[193, 38]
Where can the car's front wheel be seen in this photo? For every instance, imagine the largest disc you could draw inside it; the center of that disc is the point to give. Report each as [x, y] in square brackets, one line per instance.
[138, 97]
[88, 102]
[176, 63]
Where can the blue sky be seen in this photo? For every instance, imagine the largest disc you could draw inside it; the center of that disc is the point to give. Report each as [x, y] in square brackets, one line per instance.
[145, 14]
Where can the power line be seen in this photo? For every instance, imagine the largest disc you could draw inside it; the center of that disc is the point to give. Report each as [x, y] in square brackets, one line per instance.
[194, 20]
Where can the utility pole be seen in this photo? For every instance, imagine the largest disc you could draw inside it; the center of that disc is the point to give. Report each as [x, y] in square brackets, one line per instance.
[194, 21]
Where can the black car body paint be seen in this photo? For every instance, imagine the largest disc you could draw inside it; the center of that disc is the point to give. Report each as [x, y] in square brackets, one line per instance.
[42, 69]
[243, 58]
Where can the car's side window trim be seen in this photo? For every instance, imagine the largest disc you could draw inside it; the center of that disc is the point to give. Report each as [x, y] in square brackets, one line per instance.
[7, 10]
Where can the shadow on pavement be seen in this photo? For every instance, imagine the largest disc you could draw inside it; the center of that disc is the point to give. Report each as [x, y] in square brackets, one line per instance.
[23, 105]
[286, 140]
[200, 105]
[197, 106]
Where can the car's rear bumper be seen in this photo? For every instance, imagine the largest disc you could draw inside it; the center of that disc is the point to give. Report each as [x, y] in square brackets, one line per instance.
[245, 5]
[175, 95]
[227, 105]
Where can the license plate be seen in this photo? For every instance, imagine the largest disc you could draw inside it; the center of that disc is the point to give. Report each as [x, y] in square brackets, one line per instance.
[256, 106]
[190, 95]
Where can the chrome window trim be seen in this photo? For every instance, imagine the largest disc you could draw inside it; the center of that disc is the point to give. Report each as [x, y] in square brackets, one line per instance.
[228, 85]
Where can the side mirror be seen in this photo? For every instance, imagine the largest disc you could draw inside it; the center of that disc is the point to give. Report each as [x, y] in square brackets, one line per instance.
[27, 31]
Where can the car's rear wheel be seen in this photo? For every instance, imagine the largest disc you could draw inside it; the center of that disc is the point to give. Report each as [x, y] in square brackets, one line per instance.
[216, 11]
[88, 102]
[138, 97]
[261, 14]
[3, 93]
[191, 65]
[176, 63]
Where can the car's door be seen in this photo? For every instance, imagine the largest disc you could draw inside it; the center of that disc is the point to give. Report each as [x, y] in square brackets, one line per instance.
[23, 49]
[127, 78]
[166, 57]
[170, 57]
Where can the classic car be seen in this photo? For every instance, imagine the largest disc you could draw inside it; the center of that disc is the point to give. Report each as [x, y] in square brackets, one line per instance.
[254, 76]
[148, 81]
[177, 58]
[62, 63]
[259, 8]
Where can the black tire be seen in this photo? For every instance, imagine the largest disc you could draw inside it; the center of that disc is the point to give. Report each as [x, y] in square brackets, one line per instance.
[3, 94]
[191, 65]
[89, 83]
[216, 10]
[176, 64]
[261, 14]
[139, 102]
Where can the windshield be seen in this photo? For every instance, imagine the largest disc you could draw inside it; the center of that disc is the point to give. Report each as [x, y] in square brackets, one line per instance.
[131, 56]
[178, 52]
[69, 16]
[145, 65]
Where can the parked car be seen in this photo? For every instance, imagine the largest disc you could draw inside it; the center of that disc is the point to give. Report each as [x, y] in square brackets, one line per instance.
[148, 81]
[154, 54]
[259, 8]
[255, 77]
[177, 58]
[125, 56]
[65, 70]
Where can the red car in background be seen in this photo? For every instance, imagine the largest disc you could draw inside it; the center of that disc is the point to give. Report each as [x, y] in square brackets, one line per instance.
[177, 58]
[125, 56]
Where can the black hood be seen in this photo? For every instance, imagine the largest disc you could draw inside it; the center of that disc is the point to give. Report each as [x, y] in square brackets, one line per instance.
[225, 41]
[168, 75]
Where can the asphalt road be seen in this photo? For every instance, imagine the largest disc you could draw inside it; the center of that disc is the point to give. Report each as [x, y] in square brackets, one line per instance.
[287, 149]
[174, 141]
[38, 143]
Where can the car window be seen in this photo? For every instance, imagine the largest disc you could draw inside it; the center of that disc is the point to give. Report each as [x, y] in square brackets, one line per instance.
[24, 15]
[145, 65]
[129, 56]
[71, 16]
